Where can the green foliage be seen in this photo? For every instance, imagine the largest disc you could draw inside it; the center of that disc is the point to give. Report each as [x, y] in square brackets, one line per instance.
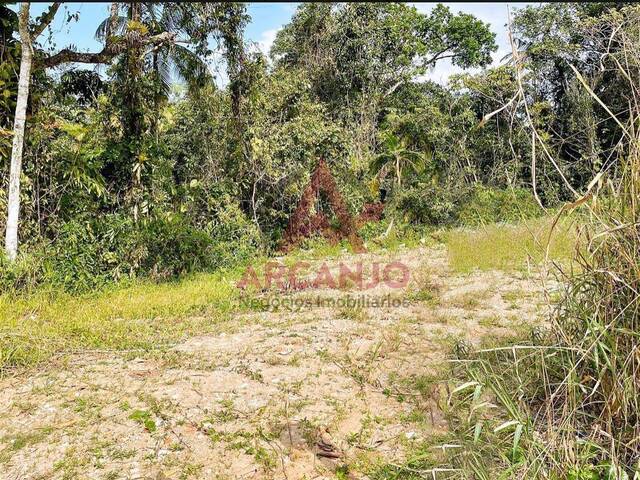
[467, 40]
[123, 179]
[9, 65]
[365, 48]
[489, 205]
[430, 204]
[397, 159]
[23, 275]
[90, 254]
[434, 204]
[144, 418]
[565, 404]
[82, 86]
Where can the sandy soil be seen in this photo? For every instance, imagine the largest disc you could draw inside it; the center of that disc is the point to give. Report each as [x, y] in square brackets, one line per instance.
[271, 394]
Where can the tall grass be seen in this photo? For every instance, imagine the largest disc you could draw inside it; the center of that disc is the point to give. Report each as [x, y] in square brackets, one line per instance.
[510, 246]
[566, 404]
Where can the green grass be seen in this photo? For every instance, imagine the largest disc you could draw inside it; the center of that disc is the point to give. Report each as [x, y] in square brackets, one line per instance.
[509, 247]
[144, 315]
[399, 237]
[18, 441]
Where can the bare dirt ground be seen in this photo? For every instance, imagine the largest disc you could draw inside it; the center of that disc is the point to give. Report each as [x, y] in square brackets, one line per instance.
[270, 394]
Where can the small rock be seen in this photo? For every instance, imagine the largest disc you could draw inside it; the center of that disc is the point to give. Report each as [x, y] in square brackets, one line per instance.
[207, 427]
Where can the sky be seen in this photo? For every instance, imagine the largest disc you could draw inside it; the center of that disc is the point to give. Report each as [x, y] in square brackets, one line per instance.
[266, 20]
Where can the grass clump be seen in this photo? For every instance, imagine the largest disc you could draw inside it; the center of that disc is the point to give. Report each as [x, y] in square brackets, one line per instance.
[489, 205]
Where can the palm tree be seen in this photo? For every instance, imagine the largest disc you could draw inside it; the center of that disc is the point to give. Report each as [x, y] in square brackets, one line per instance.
[162, 63]
[399, 158]
[153, 18]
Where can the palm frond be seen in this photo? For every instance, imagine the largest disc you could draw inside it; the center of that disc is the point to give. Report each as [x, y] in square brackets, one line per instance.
[379, 163]
[163, 70]
[118, 28]
[154, 10]
[189, 67]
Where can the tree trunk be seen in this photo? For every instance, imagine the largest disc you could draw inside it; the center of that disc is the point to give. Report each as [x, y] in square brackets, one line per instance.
[13, 215]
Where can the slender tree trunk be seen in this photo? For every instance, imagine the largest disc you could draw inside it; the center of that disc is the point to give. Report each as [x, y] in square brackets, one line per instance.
[13, 215]
[111, 25]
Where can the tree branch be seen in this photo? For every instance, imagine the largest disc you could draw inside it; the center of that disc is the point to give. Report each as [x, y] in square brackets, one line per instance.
[44, 20]
[114, 47]
[393, 88]
[437, 57]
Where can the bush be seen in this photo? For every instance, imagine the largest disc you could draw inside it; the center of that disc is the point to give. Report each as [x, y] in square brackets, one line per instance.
[490, 205]
[447, 205]
[430, 204]
[236, 238]
[172, 247]
[24, 274]
[90, 254]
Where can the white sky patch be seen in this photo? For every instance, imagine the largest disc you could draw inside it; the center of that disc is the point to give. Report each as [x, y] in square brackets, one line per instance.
[266, 40]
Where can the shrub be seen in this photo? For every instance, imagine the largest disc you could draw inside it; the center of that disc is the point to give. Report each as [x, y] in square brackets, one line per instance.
[430, 204]
[236, 238]
[24, 274]
[489, 205]
[89, 254]
[172, 247]
[440, 205]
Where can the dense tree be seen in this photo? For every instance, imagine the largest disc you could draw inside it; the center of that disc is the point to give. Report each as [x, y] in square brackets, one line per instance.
[149, 34]
[371, 49]
[357, 54]
[122, 163]
[554, 38]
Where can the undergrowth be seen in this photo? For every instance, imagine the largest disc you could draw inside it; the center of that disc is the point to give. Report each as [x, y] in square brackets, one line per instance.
[565, 405]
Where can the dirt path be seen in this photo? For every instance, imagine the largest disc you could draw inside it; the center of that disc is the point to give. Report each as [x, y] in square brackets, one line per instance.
[272, 394]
